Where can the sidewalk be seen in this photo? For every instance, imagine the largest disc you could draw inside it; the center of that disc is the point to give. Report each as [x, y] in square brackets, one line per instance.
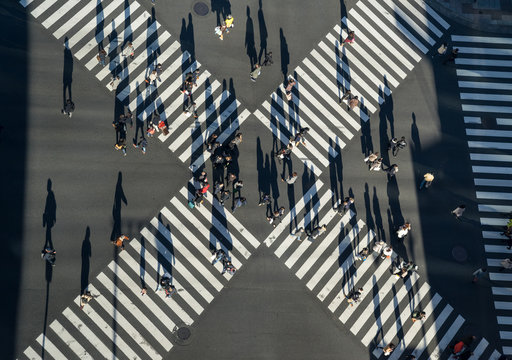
[485, 15]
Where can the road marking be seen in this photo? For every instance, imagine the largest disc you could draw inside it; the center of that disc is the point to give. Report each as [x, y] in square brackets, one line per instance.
[433, 13]
[490, 145]
[472, 120]
[447, 338]
[492, 170]
[70, 341]
[483, 62]
[421, 17]
[494, 208]
[503, 121]
[485, 85]
[64, 9]
[490, 157]
[49, 347]
[493, 195]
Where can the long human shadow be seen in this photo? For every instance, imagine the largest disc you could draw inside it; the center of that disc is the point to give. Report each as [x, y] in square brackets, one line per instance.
[187, 41]
[67, 73]
[273, 175]
[385, 117]
[369, 217]
[379, 226]
[222, 8]
[49, 219]
[336, 173]
[250, 46]
[285, 55]
[343, 11]
[86, 259]
[263, 32]
[119, 199]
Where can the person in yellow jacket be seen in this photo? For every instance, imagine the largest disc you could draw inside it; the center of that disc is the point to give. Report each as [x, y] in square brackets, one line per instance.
[229, 23]
[427, 180]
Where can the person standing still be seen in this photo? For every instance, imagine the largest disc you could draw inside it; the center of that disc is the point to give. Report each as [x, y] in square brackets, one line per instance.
[459, 211]
[427, 180]
[69, 107]
[255, 73]
[291, 179]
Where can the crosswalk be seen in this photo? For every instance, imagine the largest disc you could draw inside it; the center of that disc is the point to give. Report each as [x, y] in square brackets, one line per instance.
[485, 81]
[392, 36]
[87, 26]
[120, 323]
[329, 268]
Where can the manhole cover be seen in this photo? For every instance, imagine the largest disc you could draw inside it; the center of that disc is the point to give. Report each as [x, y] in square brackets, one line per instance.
[459, 253]
[201, 9]
[183, 333]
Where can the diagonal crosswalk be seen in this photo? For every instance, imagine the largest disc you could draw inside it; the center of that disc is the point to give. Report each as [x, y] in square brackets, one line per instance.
[122, 323]
[392, 36]
[484, 76]
[84, 29]
[330, 268]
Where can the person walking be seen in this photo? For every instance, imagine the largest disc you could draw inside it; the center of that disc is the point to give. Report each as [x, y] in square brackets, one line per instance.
[129, 51]
[403, 230]
[236, 141]
[397, 145]
[290, 180]
[353, 297]
[218, 255]
[353, 103]
[506, 264]
[265, 200]
[347, 203]
[478, 274]
[268, 59]
[350, 39]
[418, 315]
[85, 298]
[191, 109]
[224, 195]
[298, 234]
[316, 232]
[151, 79]
[48, 254]
[228, 267]
[459, 210]
[121, 143]
[142, 144]
[451, 58]
[68, 109]
[102, 57]
[239, 202]
[387, 252]
[388, 349]
[392, 170]
[376, 165]
[229, 23]
[299, 137]
[114, 82]
[255, 73]
[289, 87]
[363, 254]
[119, 242]
[275, 219]
[237, 187]
[427, 180]
[441, 50]
[371, 158]
[159, 71]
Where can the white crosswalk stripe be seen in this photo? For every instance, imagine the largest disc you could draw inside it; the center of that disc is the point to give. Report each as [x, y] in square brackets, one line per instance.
[391, 37]
[141, 326]
[331, 268]
[486, 61]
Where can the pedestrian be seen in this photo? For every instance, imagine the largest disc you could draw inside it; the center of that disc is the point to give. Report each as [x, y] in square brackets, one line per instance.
[255, 73]
[418, 315]
[202, 179]
[218, 255]
[102, 57]
[403, 230]
[299, 137]
[451, 58]
[224, 195]
[228, 267]
[275, 218]
[371, 158]
[230, 178]
[363, 254]
[129, 51]
[353, 103]
[297, 235]
[239, 202]
[69, 107]
[397, 145]
[143, 143]
[354, 296]
[229, 23]
[48, 254]
[350, 39]
[284, 153]
[159, 71]
[388, 349]
[121, 144]
[392, 170]
[236, 141]
[478, 274]
[506, 264]
[290, 180]
[165, 283]
[151, 79]
[265, 200]
[237, 187]
[268, 59]
[217, 188]
[378, 246]
[289, 87]
[143, 291]
[119, 242]
[427, 180]
[114, 82]
[347, 203]
[346, 96]
[387, 252]
[191, 109]
[441, 50]
[459, 210]
[219, 31]
[316, 232]
[85, 298]
[212, 144]
[376, 165]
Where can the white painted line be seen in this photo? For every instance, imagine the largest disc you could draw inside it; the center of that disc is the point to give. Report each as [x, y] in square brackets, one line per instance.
[490, 145]
[485, 97]
[482, 39]
[221, 100]
[26, 3]
[447, 338]
[343, 268]
[472, 120]
[155, 264]
[285, 140]
[107, 30]
[431, 333]
[367, 287]
[432, 13]
[49, 347]
[338, 251]
[29, 352]
[480, 348]
[507, 350]
[492, 170]
[118, 318]
[386, 313]
[288, 219]
[233, 126]
[356, 64]
[504, 121]
[382, 41]
[504, 320]
[88, 334]
[413, 330]
[493, 235]
[493, 221]
[45, 5]
[490, 157]
[484, 73]
[494, 262]
[135, 311]
[421, 17]
[487, 108]
[70, 341]
[221, 228]
[393, 20]
[493, 195]
[484, 51]
[152, 284]
[178, 246]
[178, 266]
[497, 249]
[485, 85]
[273, 110]
[379, 54]
[500, 276]
[483, 62]
[383, 73]
[494, 208]
[56, 15]
[495, 355]
[492, 182]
